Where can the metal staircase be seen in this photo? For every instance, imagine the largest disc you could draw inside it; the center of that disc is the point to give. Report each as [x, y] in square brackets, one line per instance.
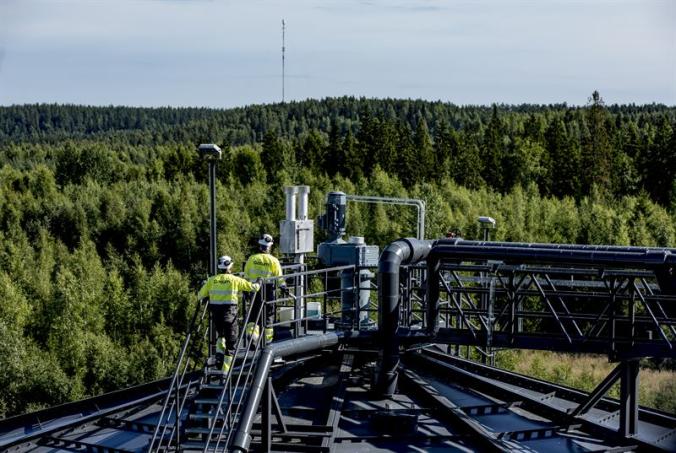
[208, 408]
[183, 385]
[216, 409]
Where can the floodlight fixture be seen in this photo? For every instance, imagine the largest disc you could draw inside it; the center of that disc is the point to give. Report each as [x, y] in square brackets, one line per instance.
[487, 222]
[210, 151]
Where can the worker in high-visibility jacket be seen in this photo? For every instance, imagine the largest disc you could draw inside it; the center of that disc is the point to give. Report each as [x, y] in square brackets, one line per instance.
[264, 265]
[223, 291]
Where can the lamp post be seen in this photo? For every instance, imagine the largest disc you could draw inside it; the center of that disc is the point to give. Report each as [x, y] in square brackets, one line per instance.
[212, 154]
[487, 224]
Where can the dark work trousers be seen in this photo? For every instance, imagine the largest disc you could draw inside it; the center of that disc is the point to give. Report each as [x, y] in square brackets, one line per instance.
[269, 292]
[225, 321]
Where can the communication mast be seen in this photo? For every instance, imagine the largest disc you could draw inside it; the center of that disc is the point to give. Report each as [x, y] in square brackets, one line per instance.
[283, 50]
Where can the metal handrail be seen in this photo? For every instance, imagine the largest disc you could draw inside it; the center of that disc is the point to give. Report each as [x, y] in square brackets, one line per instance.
[235, 409]
[176, 380]
[318, 271]
[228, 416]
[246, 369]
[175, 427]
[178, 403]
[417, 203]
[174, 402]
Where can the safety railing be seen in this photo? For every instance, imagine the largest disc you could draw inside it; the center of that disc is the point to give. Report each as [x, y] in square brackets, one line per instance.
[179, 390]
[321, 286]
[237, 382]
[236, 387]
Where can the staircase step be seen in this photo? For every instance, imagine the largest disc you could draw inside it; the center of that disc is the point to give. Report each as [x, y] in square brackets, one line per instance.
[211, 415]
[211, 386]
[211, 401]
[203, 430]
[203, 416]
[194, 445]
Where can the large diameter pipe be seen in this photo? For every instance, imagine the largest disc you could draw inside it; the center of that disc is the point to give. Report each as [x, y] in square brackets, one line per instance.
[308, 343]
[538, 245]
[303, 193]
[402, 251]
[642, 258]
[290, 193]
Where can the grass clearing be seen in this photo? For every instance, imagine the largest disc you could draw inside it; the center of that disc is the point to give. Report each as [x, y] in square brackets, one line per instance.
[657, 387]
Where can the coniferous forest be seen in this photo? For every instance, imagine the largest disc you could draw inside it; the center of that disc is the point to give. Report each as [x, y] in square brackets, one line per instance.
[104, 210]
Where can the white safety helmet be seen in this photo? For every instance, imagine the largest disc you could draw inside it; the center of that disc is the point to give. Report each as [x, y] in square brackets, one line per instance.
[266, 241]
[225, 262]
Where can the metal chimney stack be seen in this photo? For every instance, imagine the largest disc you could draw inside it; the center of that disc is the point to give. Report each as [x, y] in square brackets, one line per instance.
[297, 238]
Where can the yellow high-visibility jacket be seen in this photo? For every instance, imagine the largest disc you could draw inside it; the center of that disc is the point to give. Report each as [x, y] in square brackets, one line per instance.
[263, 265]
[224, 289]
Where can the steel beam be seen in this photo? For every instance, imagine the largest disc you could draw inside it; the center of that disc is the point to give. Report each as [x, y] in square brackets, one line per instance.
[78, 446]
[474, 379]
[266, 425]
[292, 446]
[450, 412]
[88, 410]
[126, 425]
[629, 398]
[338, 399]
[599, 392]
[607, 404]
[532, 434]
[549, 342]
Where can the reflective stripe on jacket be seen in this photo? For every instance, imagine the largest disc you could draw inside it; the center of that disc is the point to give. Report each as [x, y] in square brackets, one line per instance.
[263, 265]
[224, 289]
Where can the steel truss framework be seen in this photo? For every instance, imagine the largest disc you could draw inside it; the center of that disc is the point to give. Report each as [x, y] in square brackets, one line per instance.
[624, 309]
[619, 312]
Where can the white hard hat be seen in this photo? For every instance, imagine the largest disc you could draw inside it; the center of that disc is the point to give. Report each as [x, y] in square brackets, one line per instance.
[266, 240]
[225, 262]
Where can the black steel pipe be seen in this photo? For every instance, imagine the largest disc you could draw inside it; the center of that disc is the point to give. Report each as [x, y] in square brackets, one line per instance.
[301, 345]
[539, 245]
[648, 259]
[402, 251]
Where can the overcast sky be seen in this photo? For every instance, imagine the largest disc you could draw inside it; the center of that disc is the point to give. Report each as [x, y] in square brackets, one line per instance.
[228, 53]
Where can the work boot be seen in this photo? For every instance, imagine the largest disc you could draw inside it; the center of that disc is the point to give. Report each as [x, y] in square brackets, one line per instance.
[253, 331]
[220, 345]
[220, 352]
[269, 334]
[227, 363]
[220, 357]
